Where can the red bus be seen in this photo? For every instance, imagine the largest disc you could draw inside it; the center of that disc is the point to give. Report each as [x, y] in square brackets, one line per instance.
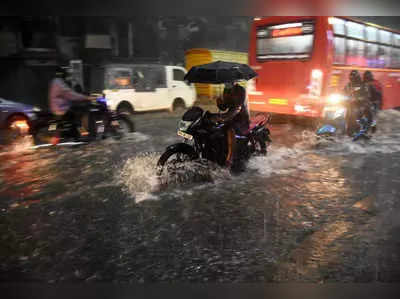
[301, 61]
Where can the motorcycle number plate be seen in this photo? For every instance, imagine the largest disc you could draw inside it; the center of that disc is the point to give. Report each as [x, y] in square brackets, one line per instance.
[53, 127]
[185, 135]
[100, 129]
[115, 123]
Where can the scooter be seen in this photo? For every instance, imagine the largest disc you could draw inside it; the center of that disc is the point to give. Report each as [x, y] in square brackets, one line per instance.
[98, 123]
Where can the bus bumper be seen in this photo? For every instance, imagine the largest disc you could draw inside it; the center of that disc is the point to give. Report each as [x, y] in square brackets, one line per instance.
[308, 107]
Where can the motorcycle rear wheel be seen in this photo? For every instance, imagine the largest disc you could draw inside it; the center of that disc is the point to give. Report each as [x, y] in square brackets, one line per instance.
[43, 136]
[125, 125]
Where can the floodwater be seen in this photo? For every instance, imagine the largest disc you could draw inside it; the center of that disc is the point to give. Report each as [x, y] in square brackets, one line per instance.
[307, 212]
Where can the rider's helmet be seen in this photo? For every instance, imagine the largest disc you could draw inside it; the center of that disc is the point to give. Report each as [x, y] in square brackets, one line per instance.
[355, 77]
[368, 77]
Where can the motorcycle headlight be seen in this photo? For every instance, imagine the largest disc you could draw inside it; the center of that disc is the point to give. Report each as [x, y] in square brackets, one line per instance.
[335, 99]
[36, 109]
[184, 125]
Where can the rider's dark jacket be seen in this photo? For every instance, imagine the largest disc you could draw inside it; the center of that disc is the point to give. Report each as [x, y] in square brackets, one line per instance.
[235, 101]
[357, 91]
[375, 93]
[361, 98]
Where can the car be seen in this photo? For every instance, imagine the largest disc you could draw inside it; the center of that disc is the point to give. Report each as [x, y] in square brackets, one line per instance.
[17, 116]
[136, 88]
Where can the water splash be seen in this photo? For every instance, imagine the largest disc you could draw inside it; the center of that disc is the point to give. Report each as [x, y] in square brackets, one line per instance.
[281, 160]
[386, 140]
[139, 177]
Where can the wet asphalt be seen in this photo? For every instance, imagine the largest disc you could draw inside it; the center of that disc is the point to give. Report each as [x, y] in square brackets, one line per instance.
[308, 212]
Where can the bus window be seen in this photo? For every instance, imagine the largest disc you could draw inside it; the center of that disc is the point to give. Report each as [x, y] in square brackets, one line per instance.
[383, 56]
[286, 41]
[355, 53]
[395, 58]
[396, 40]
[371, 54]
[338, 26]
[372, 34]
[340, 50]
[385, 37]
[355, 30]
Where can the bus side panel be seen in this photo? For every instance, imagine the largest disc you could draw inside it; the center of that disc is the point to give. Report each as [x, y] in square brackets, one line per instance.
[390, 82]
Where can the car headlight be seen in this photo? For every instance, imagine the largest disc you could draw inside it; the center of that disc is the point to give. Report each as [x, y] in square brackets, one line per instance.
[184, 125]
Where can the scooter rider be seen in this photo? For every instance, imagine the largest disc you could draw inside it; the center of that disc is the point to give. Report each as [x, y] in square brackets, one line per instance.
[375, 93]
[66, 103]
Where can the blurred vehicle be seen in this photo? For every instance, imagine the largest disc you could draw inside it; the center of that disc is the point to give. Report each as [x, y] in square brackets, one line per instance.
[144, 87]
[341, 116]
[100, 123]
[17, 117]
[302, 61]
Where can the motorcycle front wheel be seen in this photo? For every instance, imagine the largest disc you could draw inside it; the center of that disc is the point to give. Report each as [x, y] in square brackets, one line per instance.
[174, 164]
[174, 158]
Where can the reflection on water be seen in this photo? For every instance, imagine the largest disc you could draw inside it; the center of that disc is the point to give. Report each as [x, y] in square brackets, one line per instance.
[298, 214]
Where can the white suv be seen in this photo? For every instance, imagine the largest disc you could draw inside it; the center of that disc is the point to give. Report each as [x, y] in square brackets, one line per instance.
[138, 87]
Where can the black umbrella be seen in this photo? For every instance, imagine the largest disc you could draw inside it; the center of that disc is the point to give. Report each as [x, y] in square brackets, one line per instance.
[220, 72]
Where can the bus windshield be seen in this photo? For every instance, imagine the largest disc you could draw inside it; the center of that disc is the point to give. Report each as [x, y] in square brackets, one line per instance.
[285, 41]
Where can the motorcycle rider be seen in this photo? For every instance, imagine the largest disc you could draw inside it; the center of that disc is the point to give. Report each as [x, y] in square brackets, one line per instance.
[375, 93]
[359, 93]
[375, 90]
[237, 117]
[66, 103]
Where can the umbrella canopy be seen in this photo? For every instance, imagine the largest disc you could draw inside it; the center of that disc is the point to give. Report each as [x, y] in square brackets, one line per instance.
[220, 72]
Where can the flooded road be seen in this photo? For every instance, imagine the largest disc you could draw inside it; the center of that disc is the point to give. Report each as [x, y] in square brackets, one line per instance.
[307, 212]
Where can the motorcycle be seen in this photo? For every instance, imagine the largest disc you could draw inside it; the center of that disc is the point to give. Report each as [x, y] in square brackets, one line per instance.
[341, 116]
[98, 123]
[205, 140]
